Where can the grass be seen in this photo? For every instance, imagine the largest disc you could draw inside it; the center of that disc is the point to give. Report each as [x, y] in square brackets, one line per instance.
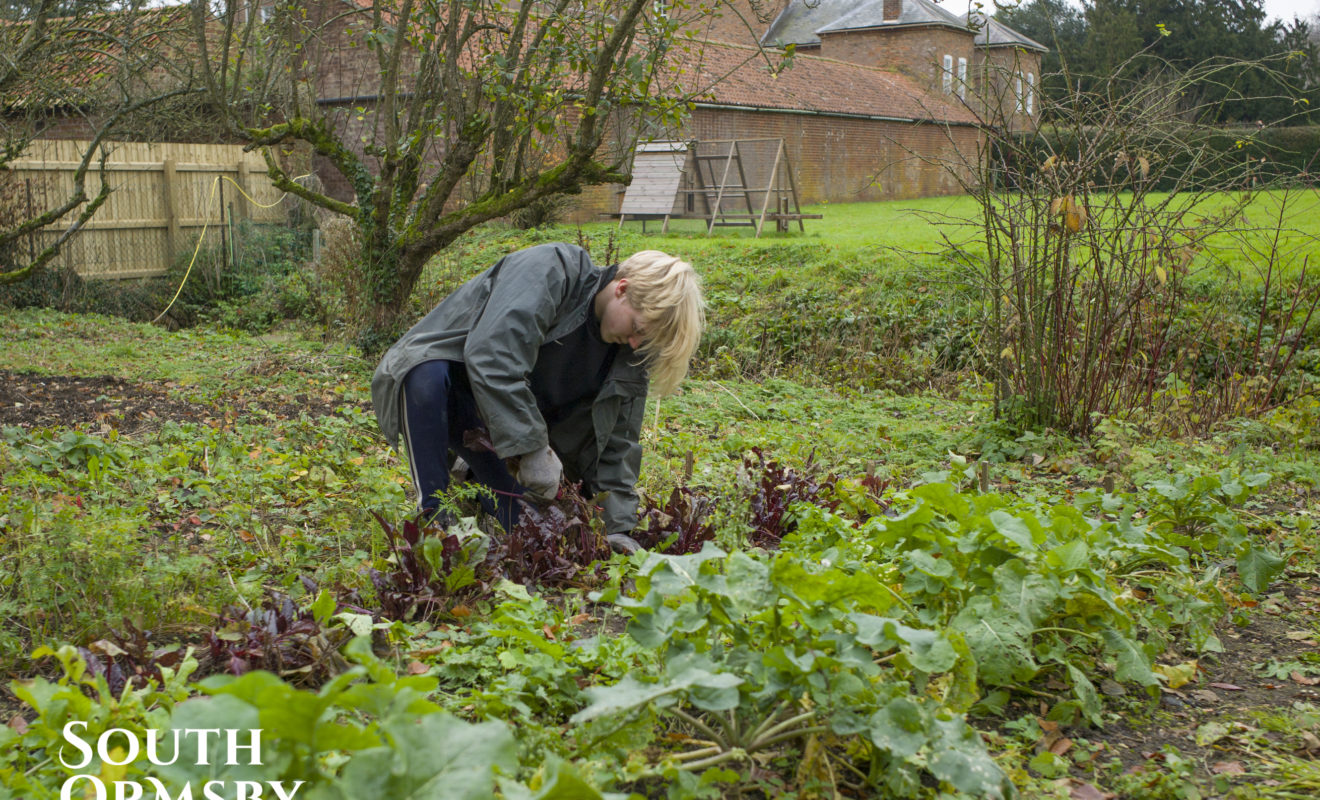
[907, 224]
[845, 227]
[202, 363]
[826, 348]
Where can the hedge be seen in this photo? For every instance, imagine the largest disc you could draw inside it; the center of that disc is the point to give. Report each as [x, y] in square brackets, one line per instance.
[1291, 153]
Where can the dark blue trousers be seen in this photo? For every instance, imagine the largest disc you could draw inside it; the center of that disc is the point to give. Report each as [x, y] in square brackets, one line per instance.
[438, 408]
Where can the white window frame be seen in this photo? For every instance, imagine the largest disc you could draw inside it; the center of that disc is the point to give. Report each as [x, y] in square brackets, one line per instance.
[962, 78]
[1031, 93]
[1017, 91]
[948, 73]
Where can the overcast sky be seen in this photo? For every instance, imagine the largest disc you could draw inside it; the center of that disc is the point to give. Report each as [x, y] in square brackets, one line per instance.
[1275, 9]
[1287, 9]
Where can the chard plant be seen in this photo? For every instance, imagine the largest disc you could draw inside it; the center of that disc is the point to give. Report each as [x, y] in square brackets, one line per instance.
[758, 656]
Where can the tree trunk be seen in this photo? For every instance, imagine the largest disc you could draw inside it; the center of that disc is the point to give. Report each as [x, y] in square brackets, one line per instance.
[388, 288]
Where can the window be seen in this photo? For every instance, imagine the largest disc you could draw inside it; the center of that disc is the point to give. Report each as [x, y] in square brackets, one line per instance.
[962, 78]
[1017, 91]
[1031, 93]
[266, 13]
[948, 74]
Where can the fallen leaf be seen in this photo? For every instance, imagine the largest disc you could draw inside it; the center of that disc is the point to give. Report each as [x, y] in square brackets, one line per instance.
[1228, 687]
[814, 764]
[1204, 696]
[1081, 790]
[1062, 746]
[1227, 768]
[549, 632]
[106, 647]
[1176, 676]
[1312, 741]
[1210, 733]
[461, 611]
[1304, 680]
[578, 619]
[417, 668]
[1298, 636]
[18, 724]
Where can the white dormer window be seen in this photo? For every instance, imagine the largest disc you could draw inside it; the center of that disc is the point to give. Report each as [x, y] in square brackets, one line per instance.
[1017, 91]
[962, 78]
[1031, 93]
[948, 74]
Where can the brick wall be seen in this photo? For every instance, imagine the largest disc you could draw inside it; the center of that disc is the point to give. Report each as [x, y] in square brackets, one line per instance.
[918, 51]
[836, 159]
[997, 71]
[65, 126]
[340, 63]
[733, 18]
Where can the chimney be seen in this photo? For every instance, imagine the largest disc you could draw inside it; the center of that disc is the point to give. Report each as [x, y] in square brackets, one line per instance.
[893, 10]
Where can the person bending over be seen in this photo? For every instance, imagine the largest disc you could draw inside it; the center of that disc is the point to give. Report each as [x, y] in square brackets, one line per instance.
[552, 357]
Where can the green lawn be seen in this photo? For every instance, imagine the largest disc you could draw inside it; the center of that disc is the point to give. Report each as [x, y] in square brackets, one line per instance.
[1284, 221]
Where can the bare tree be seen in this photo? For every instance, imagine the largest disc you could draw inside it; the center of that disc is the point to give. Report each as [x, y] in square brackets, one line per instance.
[438, 116]
[74, 60]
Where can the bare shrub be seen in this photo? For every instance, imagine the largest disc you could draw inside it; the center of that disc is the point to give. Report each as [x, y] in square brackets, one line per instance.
[339, 289]
[1127, 268]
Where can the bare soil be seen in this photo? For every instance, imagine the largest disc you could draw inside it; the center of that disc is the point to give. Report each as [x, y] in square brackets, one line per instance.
[1230, 689]
[30, 401]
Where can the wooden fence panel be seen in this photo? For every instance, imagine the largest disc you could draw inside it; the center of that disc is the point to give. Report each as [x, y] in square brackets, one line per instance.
[162, 197]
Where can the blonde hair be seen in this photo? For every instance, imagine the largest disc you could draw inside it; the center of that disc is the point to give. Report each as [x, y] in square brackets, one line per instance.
[666, 291]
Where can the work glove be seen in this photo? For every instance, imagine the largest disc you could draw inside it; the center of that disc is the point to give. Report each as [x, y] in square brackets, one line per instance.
[623, 543]
[539, 473]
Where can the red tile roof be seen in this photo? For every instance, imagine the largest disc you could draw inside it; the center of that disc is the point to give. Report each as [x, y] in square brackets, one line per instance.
[812, 84]
[87, 52]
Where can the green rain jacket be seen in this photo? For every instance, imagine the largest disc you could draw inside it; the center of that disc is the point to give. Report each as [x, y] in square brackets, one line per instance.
[495, 324]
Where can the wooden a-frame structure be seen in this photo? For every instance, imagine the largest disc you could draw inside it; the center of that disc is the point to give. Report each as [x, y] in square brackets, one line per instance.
[726, 182]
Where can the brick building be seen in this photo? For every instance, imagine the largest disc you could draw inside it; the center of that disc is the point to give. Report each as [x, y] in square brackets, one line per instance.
[885, 99]
[990, 68]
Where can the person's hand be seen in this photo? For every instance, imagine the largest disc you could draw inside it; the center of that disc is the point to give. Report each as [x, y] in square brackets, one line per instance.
[623, 543]
[539, 473]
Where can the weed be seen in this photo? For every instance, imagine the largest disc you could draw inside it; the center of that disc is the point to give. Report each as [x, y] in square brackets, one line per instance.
[1166, 775]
